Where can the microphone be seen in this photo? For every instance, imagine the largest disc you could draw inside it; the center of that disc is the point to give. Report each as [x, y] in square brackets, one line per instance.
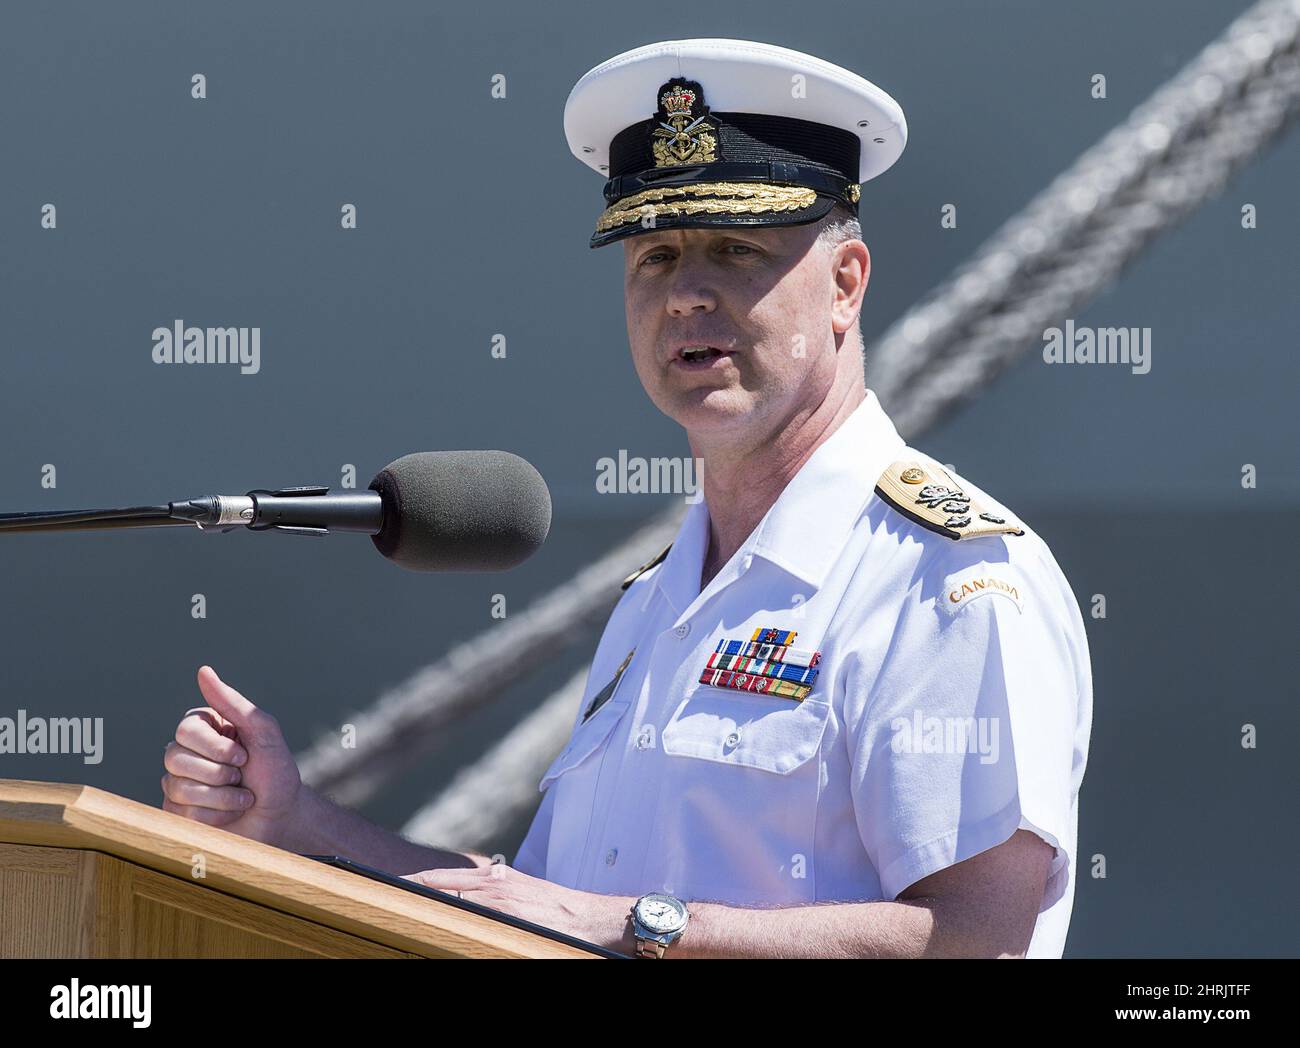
[461, 511]
[429, 511]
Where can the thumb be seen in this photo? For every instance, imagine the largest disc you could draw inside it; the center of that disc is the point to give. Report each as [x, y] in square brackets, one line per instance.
[225, 699]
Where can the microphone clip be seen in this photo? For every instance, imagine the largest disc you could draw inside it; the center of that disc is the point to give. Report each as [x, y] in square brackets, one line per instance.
[303, 491]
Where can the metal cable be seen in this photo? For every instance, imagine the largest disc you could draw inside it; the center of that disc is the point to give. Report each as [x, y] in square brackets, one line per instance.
[1172, 154]
[404, 723]
[486, 797]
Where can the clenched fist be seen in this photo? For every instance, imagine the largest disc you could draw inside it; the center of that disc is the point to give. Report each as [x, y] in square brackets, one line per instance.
[229, 766]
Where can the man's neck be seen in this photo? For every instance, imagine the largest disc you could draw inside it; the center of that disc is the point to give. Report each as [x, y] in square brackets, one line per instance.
[742, 482]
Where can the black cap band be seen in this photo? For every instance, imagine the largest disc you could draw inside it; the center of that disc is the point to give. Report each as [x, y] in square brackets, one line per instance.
[688, 166]
[751, 137]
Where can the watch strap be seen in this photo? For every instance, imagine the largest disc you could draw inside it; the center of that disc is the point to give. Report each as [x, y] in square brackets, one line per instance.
[649, 947]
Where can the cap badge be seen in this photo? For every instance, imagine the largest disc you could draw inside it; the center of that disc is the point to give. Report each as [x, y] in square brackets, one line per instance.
[685, 133]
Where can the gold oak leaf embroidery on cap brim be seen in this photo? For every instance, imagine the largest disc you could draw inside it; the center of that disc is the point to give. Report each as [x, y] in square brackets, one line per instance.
[719, 198]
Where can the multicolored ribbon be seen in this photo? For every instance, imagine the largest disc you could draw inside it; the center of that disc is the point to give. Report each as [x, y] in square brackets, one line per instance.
[766, 663]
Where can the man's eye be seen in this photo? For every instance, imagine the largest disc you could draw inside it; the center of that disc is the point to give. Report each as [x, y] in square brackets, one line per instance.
[744, 248]
[652, 255]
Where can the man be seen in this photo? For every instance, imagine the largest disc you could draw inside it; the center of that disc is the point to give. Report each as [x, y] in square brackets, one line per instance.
[846, 713]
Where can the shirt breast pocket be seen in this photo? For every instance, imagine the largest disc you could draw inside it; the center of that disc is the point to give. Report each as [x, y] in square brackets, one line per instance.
[746, 730]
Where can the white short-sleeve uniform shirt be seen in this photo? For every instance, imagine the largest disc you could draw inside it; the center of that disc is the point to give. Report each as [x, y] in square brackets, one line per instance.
[952, 706]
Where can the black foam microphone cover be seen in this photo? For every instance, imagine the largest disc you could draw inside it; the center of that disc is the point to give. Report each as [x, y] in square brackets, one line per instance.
[461, 510]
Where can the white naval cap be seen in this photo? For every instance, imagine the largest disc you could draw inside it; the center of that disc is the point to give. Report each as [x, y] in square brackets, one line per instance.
[717, 132]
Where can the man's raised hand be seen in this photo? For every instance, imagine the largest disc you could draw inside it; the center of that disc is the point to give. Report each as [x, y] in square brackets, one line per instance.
[229, 766]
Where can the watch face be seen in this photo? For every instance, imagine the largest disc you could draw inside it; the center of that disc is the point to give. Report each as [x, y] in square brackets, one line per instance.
[661, 913]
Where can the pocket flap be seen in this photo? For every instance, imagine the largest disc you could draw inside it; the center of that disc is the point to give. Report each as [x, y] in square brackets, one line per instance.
[753, 731]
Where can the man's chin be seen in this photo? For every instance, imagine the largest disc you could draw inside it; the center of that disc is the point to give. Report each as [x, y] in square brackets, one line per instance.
[707, 409]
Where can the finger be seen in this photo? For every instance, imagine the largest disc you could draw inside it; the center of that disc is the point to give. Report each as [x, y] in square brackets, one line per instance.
[199, 795]
[223, 698]
[206, 816]
[256, 726]
[448, 880]
[214, 718]
[186, 764]
[197, 733]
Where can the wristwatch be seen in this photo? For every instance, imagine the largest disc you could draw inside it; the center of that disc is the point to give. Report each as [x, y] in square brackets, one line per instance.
[657, 922]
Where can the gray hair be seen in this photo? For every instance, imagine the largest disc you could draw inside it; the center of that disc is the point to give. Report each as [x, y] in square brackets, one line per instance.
[837, 226]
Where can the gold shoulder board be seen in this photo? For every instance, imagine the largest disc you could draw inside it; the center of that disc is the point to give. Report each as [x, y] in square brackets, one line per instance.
[646, 566]
[926, 493]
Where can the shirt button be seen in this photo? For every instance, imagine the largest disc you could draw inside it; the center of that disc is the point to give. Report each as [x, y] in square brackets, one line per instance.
[611, 856]
[732, 739]
[683, 629]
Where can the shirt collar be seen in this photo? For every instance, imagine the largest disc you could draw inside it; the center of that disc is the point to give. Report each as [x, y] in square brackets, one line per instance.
[806, 528]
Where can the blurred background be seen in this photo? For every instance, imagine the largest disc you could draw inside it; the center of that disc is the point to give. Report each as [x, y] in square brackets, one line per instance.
[473, 221]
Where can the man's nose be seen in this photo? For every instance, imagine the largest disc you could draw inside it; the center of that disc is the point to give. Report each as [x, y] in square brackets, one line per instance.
[690, 290]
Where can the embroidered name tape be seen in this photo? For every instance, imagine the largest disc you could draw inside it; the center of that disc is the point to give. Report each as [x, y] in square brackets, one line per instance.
[766, 663]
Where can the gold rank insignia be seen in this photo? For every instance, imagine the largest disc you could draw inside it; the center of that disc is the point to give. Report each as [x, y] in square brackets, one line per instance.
[646, 566]
[685, 134]
[927, 494]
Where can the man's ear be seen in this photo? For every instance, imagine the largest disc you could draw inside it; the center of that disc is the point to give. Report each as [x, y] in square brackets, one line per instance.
[852, 271]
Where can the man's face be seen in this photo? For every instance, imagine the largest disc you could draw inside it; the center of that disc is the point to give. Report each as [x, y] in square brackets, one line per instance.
[761, 297]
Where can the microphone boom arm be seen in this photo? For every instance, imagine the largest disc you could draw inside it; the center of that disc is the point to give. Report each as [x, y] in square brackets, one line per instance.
[307, 510]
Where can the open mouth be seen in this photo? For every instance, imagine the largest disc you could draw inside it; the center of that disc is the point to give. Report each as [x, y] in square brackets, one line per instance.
[692, 353]
[699, 355]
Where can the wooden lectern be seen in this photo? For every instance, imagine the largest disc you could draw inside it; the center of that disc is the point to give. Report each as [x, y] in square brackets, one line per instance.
[84, 873]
